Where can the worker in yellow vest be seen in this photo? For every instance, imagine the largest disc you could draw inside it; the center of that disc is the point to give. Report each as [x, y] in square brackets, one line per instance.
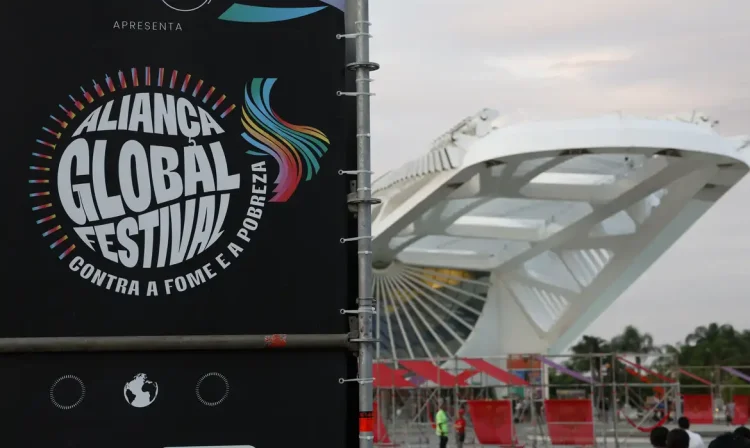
[441, 424]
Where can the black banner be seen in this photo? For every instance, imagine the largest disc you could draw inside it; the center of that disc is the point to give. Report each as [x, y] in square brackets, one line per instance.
[171, 167]
[181, 400]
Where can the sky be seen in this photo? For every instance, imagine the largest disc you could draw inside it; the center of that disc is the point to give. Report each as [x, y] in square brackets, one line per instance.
[443, 60]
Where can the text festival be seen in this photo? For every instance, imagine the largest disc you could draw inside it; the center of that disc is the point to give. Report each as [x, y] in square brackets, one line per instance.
[145, 226]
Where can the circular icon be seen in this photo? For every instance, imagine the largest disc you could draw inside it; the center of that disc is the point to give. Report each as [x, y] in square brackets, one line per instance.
[186, 5]
[67, 379]
[140, 392]
[204, 378]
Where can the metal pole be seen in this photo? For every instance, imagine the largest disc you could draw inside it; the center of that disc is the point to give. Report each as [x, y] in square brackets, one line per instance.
[678, 393]
[532, 413]
[165, 343]
[613, 405]
[456, 401]
[597, 407]
[362, 67]
[602, 395]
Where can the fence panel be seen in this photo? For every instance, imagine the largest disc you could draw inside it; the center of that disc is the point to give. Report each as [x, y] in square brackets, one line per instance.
[570, 422]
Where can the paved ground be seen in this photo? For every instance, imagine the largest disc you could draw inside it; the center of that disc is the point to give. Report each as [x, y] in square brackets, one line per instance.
[642, 442]
[704, 430]
[420, 436]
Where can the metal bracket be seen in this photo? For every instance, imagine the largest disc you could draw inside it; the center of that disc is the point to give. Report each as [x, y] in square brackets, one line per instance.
[371, 310]
[340, 93]
[367, 65]
[356, 380]
[354, 203]
[354, 340]
[355, 238]
[371, 201]
[353, 35]
[365, 340]
[355, 172]
[353, 333]
[360, 33]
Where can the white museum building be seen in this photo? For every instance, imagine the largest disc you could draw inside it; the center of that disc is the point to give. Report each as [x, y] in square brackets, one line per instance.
[512, 239]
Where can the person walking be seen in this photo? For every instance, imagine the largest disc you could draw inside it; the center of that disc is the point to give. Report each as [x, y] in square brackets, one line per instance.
[441, 424]
[460, 426]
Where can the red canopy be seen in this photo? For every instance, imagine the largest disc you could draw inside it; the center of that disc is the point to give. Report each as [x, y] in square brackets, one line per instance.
[431, 372]
[495, 372]
[387, 377]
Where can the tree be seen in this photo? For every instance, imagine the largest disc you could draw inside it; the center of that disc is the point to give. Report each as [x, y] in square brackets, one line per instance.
[586, 346]
[633, 341]
[709, 345]
[714, 345]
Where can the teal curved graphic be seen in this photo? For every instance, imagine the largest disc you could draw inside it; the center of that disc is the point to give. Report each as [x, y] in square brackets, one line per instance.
[297, 149]
[264, 14]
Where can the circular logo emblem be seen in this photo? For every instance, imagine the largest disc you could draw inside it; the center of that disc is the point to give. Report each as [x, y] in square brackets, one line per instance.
[72, 388]
[140, 392]
[186, 5]
[141, 171]
[149, 183]
[212, 389]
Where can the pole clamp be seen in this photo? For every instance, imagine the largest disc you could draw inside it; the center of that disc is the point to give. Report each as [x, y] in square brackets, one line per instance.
[356, 380]
[355, 238]
[355, 172]
[365, 341]
[367, 65]
[357, 201]
[340, 93]
[353, 35]
[363, 310]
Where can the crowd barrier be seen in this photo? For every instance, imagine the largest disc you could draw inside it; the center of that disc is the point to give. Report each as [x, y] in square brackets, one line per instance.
[741, 409]
[493, 422]
[570, 422]
[380, 432]
[699, 409]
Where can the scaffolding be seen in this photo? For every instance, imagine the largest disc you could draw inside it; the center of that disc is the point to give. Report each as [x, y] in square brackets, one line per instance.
[544, 400]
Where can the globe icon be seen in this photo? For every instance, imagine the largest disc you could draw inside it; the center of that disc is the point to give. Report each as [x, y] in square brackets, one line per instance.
[140, 391]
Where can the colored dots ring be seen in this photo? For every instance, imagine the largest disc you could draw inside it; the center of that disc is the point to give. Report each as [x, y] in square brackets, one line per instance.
[57, 382]
[220, 400]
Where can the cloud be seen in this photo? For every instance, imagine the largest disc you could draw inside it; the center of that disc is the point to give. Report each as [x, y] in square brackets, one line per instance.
[570, 66]
[443, 60]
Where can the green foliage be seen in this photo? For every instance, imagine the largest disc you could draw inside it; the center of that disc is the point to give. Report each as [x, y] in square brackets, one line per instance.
[701, 353]
[711, 345]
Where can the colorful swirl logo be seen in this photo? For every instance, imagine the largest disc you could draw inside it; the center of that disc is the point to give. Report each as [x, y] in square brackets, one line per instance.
[296, 149]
